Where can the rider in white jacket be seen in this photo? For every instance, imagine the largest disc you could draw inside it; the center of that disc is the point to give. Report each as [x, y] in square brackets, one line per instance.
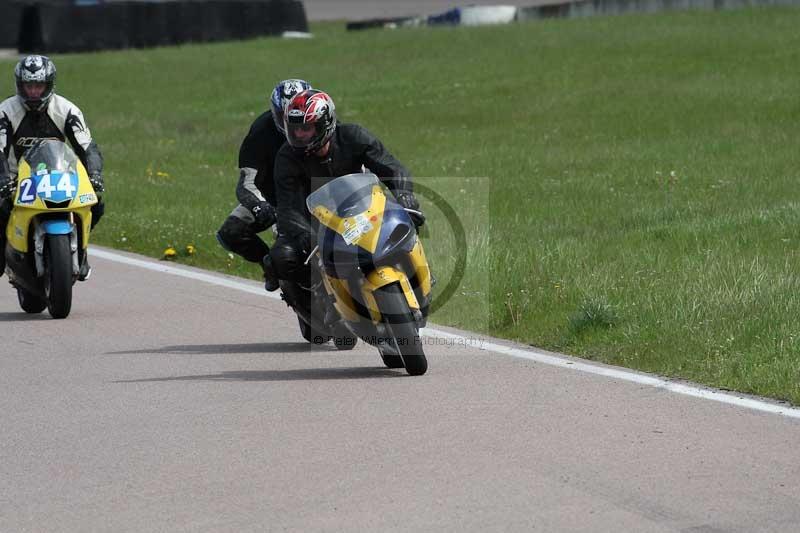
[34, 113]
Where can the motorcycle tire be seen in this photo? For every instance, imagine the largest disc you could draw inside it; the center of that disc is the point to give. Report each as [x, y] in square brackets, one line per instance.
[58, 275]
[392, 361]
[403, 329]
[343, 339]
[310, 334]
[29, 302]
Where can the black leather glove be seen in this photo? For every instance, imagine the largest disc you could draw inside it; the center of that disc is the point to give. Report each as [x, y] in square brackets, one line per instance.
[264, 214]
[97, 183]
[409, 201]
[7, 188]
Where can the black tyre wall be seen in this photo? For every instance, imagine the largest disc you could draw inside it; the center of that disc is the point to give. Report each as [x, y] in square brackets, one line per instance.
[10, 24]
[48, 28]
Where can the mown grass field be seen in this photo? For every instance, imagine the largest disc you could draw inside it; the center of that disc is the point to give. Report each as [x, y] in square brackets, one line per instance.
[628, 185]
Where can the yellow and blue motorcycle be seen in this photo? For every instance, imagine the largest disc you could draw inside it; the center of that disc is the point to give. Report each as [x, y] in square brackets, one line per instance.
[47, 235]
[373, 267]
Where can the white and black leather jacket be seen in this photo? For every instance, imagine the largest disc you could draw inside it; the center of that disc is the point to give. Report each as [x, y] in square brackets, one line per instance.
[61, 120]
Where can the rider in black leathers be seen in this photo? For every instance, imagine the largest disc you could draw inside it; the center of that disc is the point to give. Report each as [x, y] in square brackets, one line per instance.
[318, 150]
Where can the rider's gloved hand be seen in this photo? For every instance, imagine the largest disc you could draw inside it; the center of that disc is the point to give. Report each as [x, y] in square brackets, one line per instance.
[7, 188]
[264, 214]
[97, 182]
[409, 201]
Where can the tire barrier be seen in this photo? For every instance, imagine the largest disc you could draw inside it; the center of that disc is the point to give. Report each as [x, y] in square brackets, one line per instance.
[10, 23]
[64, 27]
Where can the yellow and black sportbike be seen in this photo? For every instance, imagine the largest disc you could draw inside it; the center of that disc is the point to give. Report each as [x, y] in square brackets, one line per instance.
[373, 267]
[48, 231]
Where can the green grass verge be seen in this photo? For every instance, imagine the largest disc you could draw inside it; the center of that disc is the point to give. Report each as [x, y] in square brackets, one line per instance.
[639, 205]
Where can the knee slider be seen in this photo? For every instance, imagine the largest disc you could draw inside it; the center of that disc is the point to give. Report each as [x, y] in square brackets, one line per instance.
[231, 232]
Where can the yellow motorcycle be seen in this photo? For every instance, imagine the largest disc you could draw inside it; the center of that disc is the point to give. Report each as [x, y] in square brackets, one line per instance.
[47, 235]
[373, 267]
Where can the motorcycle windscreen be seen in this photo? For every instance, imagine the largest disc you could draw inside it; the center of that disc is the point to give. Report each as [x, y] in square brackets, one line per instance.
[346, 196]
[353, 206]
[53, 173]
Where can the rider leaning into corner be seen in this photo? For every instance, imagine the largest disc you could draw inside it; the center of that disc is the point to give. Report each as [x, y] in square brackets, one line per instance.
[37, 112]
[319, 149]
[256, 187]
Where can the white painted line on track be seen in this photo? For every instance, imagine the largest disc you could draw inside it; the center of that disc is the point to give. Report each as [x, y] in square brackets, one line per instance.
[152, 264]
[625, 375]
[479, 343]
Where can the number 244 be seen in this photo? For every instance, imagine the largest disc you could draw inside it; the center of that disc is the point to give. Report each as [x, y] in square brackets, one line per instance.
[46, 188]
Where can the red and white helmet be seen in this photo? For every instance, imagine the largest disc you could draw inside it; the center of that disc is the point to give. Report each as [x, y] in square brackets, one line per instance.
[310, 120]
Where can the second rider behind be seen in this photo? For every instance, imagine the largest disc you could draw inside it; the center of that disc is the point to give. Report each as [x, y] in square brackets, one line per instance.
[255, 189]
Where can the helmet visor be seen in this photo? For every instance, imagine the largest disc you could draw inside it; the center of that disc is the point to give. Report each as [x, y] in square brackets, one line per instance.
[34, 90]
[301, 135]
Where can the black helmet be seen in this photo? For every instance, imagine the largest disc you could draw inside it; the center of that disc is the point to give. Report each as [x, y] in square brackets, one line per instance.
[310, 120]
[35, 69]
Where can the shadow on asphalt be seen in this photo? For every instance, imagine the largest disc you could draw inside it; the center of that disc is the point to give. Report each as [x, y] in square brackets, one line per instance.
[22, 317]
[297, 374]
[217, 349]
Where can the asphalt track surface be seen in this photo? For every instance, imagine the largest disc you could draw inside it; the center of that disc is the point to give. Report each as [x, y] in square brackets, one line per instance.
[167, 403]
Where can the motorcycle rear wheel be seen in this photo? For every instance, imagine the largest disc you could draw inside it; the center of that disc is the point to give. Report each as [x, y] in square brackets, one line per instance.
[310, 334]
[402, 327]
[343, 339]
[58, 275]
[29, 302]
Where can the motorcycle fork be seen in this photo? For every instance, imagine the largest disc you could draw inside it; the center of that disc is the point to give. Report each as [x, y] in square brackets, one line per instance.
[39, 235]
[381, 277]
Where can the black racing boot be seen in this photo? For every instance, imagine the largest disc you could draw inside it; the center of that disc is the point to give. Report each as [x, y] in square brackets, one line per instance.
[270, 278]
[84, 271]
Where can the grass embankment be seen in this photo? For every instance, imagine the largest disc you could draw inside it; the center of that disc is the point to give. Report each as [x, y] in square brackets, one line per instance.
[640, 200]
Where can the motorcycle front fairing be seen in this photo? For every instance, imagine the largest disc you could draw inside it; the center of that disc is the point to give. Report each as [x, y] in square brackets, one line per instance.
[52, 186]
[366, 242]
[53, 189]
[396, 236]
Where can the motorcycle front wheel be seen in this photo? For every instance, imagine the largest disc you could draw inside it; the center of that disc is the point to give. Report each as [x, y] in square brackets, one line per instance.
[58, 275]
[400, 324]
